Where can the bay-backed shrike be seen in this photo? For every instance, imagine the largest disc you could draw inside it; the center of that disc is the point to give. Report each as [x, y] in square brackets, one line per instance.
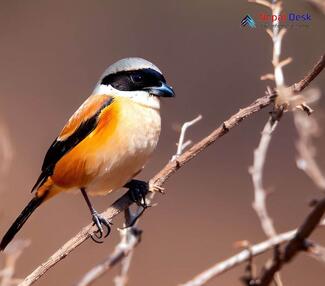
[107, 141]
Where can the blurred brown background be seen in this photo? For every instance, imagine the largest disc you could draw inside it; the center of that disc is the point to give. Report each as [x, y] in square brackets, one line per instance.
[52, 53]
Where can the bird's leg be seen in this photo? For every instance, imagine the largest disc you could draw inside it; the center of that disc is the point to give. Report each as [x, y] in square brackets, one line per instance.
[138, 191]
[98, 220]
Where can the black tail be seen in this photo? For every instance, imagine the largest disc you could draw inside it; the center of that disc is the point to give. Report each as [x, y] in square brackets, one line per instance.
[19, 222]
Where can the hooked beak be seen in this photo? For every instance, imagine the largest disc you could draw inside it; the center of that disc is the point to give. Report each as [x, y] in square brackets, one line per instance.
[161, 91]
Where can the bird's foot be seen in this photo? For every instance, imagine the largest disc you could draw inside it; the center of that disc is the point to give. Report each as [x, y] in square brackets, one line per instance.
[103, 228]
[138, 191]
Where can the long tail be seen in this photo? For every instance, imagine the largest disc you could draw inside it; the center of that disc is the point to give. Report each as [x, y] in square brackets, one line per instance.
[21, 219]
[44, 192]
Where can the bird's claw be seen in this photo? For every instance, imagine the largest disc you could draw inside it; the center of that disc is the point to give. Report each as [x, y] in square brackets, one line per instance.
[138, 191]
[100, 233]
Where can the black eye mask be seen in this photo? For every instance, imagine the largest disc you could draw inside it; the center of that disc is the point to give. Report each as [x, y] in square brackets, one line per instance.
[134, 80]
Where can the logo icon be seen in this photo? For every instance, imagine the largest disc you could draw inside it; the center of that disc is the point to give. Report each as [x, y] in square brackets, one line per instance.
[248, 21]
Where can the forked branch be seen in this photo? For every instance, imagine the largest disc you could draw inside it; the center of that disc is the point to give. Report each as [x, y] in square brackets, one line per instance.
[296, 242]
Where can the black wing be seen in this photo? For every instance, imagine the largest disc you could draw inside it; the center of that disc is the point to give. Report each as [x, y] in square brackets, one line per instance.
[61, 147]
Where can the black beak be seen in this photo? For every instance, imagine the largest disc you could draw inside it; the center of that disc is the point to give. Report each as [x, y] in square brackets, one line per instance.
[161, 91]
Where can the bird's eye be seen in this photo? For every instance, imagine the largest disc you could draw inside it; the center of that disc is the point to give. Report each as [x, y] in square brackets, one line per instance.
[137, 78]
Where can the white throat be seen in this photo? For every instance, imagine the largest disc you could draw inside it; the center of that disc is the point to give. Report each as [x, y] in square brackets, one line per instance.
[140, 97]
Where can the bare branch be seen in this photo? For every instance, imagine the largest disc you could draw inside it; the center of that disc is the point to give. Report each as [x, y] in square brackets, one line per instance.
[256, 171]
[286, 100]
[181, 145]
[285, 62]
[156, 182]
[130, 238]
[314, 72]
[122, 250]
[239, 258]
[268, 76]
[122, 278]
[295, 245]
[221, 267]
[262, 2]
[260, 194]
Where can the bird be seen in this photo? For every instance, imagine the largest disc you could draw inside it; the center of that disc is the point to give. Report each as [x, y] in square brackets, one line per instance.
[106, 143]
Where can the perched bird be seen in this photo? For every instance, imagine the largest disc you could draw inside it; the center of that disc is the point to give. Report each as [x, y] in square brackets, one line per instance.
[107, 141]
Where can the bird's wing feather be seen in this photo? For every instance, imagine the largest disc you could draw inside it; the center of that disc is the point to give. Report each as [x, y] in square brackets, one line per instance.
[81, 124]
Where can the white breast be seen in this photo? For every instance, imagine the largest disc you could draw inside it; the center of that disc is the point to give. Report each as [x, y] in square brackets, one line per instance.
[130, 147]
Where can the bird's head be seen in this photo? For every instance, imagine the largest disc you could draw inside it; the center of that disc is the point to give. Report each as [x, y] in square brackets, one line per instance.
[137, 79]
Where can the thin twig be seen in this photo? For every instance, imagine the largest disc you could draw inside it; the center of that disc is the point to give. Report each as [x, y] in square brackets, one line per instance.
[130, 238]
[181, 145]
[250, 269]
[256, 171]
[156, 182]
[122, 278]
[260, 153]
[120, 252]
[315, 71]
[239, 258]
[261, 2]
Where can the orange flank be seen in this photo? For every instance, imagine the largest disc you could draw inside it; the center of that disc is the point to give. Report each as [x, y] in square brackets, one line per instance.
[80, 166]
[125, 135]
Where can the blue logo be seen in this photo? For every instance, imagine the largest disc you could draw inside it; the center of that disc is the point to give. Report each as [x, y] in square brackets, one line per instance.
[248, 21]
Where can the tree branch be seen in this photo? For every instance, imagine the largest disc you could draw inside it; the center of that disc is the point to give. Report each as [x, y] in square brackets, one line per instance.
[295, 245]
[315, 71]
[181, 145]
[241, 257]
[156, 182]
[130, 238]
[260, 152]
[122, 251]
[256, 171]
